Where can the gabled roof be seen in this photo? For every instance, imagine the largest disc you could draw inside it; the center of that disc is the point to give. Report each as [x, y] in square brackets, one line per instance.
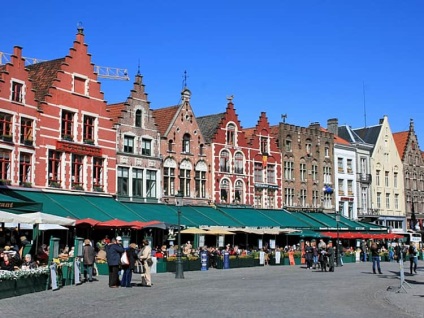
[42, 76]
[347, 133]
[209, 124]
[164, 117]
[115, 111]
[401, 141]
[369, 134]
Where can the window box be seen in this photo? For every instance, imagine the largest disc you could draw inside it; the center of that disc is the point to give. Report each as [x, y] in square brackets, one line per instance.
[77, 187]
[67, 138]
[98, 188]
[26, 184]
[28, 142]
[5, 182]
[89, 141]
[54, 184]
[7, 138]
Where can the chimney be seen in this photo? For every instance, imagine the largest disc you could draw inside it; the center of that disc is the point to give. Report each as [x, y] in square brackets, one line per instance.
[333, 126]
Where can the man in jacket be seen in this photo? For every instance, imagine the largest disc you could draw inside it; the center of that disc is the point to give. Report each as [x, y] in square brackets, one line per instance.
[413, 257]
[114, 251]
[88, 258]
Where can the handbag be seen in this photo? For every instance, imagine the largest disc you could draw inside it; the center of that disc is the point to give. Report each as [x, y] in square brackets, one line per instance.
[138, 268]
[124, 259]
[149, 262]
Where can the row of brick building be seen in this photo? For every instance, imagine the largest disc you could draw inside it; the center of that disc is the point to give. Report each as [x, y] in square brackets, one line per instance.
[57, 133]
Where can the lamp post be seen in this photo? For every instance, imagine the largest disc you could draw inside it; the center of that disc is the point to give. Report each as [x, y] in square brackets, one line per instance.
[179, 263]
[337, 242]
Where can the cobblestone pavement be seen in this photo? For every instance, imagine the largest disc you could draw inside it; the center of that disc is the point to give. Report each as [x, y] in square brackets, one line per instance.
[288, 291]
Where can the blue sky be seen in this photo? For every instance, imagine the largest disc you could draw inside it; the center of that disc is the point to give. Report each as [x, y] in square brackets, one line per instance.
[306, 59]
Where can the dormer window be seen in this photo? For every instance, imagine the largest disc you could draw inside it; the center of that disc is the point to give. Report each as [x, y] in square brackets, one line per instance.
[17, 92]
[80, 85]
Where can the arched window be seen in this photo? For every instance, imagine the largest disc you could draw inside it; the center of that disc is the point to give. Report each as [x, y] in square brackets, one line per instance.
[138, 118]
[170, 145]
[238, 192]
[186, 143]
[238, 163]
[224, 161]
[231, 134]
[225, 190]
[200, 179]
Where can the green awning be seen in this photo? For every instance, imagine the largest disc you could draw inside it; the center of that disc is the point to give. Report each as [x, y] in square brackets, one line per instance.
[191, 216]
[307, 234]
[326, 220]
[311, 223]
[16, 204]
[249, 216]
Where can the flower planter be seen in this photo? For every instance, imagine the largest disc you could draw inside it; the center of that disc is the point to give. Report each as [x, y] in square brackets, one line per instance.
[24, 286]
[161, 266]
[7, 288]
[40, 283]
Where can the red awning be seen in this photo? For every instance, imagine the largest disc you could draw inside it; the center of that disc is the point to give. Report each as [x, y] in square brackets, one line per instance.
[361, 235]
[86, 221]
[114, 223]
[140, 225]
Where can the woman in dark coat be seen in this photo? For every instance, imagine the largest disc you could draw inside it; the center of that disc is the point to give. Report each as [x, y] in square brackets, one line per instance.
[331, 258]
[309, 255]
[114, 251]
[88, 258]
[128, 269]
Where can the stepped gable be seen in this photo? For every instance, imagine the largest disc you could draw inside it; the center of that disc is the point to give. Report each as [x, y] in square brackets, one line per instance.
[401, 141]
[115, 111]
[42, 75]
[164, 117]
[209, 124]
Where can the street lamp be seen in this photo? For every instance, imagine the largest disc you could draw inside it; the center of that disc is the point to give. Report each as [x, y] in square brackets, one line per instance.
[179, 263]
[337, 242]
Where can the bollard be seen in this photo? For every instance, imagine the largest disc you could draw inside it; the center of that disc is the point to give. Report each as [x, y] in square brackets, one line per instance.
[204, 260]
[226, 260]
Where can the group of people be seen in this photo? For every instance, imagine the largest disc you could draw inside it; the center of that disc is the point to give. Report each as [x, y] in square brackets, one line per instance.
[321, 256]
[125, 259]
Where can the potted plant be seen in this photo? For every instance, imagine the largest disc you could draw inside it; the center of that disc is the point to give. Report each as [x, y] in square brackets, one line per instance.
[89, 141]
[54, 184]
[5, 182]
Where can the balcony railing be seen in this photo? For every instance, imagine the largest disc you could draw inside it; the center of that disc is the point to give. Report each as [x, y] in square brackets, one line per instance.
[364, 177]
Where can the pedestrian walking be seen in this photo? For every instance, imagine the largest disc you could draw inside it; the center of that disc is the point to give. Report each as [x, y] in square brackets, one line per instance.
[309, 255]
[330, 254]
[375, 258]
[145, 256]
[413, 258]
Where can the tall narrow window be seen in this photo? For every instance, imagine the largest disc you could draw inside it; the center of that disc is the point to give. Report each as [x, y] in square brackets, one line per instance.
[350, 187]
[302, 197]
[170, 145]
[6, 127]
[137, 182]
[238, 163]
[224, 161]
[349, 166]
[67, 125]
[308, 146]
[225, 190]
[128, 144]
[186, 143]
[123, 176]
[327, 175]
[5, 164]
[386, 178]
[200, 183]
[315, 199]
[387, 200]
[17, 92]
[340, 165]
[138, 118]
[377, 178]
[168, 181]
[258, 172]
[264, 145]
[314, 171]
[288, 144]
[24, 168]
[288, 196]
[231, 130]
[146, 147]
[151, 184]
[97, 174]
[378, 200]
[288, 170]
[238, 192]
[54, 168]
[395, 180]
[270, 173]
[303, 172]
[88, 130]
[185, 181]
[77, 172]
[26, 131]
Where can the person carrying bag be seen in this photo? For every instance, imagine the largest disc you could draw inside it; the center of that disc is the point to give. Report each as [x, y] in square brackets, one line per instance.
[145, 257]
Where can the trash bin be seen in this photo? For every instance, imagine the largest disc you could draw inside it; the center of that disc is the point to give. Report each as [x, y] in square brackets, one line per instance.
[226, 260]
[204, 261]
